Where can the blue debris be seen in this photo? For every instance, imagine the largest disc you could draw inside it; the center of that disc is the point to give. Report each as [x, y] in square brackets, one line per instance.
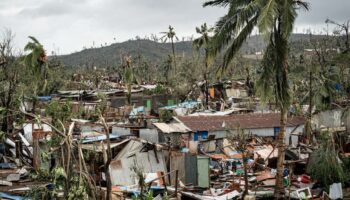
[137, 110]
[185, 104]
[44, 98]
[9, 196]
[7, 166]
[98, 138]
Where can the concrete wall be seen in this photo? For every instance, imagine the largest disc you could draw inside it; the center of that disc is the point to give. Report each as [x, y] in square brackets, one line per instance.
[346, 120]
[329, 118]
[264, 132]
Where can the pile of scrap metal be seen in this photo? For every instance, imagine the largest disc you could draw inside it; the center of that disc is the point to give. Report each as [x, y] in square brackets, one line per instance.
[130, 156]
[219, 173]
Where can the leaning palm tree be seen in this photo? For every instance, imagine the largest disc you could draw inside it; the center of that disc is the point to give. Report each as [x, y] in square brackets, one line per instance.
[170, 35]
[275, 20]
[203, 42]
[36, 60]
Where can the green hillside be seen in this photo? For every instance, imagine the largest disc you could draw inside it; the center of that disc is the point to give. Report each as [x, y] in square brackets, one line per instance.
[157, 52]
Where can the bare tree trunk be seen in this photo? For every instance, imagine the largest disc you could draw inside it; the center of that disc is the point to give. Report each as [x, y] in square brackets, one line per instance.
[174, 57]
[109, 159]
[128, 94]
[279, 190]
[308, 132]
[206, 86]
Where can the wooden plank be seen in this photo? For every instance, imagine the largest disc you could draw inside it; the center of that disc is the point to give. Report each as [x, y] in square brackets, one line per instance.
[7, 183]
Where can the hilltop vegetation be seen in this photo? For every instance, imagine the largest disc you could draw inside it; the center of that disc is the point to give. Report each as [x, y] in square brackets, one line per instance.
[156, 52]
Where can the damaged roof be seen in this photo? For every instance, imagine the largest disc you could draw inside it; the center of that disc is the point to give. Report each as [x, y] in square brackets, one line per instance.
[245, 121]
[172, 128]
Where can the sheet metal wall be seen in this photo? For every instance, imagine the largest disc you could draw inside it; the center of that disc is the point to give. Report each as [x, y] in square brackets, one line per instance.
[121, 167]
[150, 135]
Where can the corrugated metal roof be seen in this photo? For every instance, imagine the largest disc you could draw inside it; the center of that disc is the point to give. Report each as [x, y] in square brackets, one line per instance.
[172, 128]
[245, 121]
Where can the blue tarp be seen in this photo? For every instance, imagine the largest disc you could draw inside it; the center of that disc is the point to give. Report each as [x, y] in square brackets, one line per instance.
[9, 196]
[137, 110]
[185, 104]
[44, 98]
[7, 166]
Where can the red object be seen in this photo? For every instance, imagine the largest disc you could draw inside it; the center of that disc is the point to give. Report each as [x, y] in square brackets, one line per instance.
[305, 179]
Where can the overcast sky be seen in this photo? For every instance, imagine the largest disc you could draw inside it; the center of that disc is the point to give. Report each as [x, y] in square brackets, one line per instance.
[68, 25]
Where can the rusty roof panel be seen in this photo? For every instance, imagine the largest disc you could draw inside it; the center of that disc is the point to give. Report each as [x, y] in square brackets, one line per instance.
[245, 121]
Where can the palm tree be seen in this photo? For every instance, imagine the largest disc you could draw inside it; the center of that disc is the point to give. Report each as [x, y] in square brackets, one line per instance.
[204, 42]
[36, 60]
[275, 20]
[171, 35]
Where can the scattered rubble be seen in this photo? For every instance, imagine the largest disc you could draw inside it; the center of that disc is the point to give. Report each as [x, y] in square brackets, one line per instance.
[189, 156]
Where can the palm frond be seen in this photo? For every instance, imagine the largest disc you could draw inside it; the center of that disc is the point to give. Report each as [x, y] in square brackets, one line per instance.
[266, 19]
[29, 46]
[34, 39]
[288, 18]
[222, 3]
[283, 94]
[265, 83]
[302, 4]
[232, 23]
[238, 41]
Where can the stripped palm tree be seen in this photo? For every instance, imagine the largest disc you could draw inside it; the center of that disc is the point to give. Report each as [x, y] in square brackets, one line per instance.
[204, 42]
[170, 35]
[275, 20]
[129, 78]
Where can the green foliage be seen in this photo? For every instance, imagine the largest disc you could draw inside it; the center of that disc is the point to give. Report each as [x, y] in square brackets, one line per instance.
[37, 56]
[77, 190]
[160, 90]
[265, 84]
[325, 165]
[58, 110]
[274, 19]
[2, 136]
[36, 61]
[323, 70]
[346, 163]
[57, 177]
[204, 41]
[39, 193]
[165, 115]
[103, 57]
[102, 106]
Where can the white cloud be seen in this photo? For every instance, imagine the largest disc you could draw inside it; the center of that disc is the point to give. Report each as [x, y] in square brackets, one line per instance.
[72, 24]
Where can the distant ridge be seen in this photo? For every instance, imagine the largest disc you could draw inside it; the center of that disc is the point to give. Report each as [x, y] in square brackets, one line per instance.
[156, 52]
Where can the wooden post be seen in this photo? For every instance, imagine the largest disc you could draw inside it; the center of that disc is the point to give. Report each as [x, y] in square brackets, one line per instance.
[163, 179]
[36, 149]
[289, 179]
[18, 147]
[245, 160]
[176, 177]
[109, 159]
